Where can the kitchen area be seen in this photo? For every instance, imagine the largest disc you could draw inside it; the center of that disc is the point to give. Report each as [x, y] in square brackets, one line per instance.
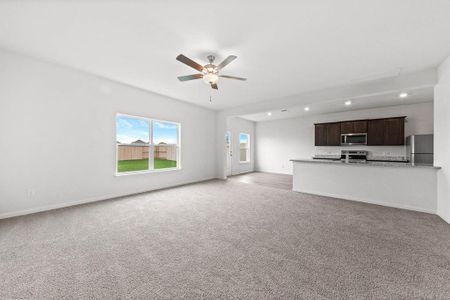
[405, 178]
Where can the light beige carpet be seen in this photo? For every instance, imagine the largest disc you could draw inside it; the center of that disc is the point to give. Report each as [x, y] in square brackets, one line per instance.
[225, 240]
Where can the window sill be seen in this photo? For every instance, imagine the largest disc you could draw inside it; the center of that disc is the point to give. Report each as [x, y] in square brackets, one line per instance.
[244, 162]
[147, 171]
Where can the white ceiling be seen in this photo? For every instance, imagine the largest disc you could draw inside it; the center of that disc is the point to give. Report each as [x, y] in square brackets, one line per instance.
[283, 47]
[365, 102]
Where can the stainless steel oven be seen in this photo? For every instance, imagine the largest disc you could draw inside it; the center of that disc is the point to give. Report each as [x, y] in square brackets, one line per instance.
[349, 139]
[354, 156]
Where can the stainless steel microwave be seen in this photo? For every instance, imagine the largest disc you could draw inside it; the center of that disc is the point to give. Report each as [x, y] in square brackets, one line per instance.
[349, 139]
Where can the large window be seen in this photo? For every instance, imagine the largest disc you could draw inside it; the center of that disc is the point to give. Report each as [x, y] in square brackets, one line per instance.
[146, 145]
[244, 147]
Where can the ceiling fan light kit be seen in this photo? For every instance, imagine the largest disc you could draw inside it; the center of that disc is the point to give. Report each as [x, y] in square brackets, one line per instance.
[209, 72]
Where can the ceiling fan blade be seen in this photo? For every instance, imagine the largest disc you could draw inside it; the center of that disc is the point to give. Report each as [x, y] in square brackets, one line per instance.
[190, 77]
[233, 77]
[189, 62]
[226, 61]
[214, 86]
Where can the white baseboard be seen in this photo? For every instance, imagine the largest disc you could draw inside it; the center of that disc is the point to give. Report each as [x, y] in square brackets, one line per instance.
[109, 197]
[274, 172]
[445, 218]
[90, 200]
[387, 204]
[244, 172]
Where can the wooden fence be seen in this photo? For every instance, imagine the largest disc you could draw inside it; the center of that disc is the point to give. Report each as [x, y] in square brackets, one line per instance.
[168, 152]
[131, 152]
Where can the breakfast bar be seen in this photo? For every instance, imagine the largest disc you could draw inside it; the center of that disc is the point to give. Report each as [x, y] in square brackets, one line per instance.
[394, 184]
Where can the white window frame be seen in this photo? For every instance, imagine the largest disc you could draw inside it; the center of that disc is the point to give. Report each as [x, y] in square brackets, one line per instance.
[151, 146]
[248, 158]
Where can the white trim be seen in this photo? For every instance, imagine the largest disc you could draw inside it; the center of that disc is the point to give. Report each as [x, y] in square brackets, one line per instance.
[148, 171]
[273, 171]
[151, 150]
[93, 199]
[243, 172]
[229, 159]
[443, 217]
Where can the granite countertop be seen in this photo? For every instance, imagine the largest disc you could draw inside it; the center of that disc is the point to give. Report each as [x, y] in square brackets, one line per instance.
[368, 163]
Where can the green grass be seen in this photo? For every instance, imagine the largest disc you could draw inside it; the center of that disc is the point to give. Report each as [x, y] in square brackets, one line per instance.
[142, 164]
[164, 163]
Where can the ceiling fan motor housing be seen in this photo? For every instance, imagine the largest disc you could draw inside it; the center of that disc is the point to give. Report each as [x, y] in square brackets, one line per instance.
[210, 74]
[210, 71]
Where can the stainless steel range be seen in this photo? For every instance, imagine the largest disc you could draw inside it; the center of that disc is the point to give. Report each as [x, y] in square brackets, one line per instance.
[354, 156]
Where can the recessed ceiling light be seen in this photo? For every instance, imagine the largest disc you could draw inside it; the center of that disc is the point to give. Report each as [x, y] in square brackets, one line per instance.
[269, 113]
[403, 95]
[306, 108]
[348, 102]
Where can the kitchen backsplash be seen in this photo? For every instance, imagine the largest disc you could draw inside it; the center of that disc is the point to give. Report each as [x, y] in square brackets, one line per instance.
[374, 152]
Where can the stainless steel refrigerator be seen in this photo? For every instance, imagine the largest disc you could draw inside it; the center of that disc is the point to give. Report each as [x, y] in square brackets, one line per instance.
[419, 149]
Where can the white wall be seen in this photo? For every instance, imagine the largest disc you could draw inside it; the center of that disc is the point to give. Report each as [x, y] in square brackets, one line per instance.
[57, 137]
[281, 140]
[442, 138]
[402, 187]
[236, 126]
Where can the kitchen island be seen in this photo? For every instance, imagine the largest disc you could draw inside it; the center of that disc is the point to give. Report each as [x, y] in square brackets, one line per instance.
[394, 184]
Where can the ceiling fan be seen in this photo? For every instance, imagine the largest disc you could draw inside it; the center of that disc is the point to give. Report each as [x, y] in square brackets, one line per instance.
[209, 72]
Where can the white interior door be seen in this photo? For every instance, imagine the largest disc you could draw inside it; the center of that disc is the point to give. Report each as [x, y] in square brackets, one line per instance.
[229, 151]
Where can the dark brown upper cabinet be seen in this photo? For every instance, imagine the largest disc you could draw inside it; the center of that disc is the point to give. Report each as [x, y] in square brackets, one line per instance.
[394, 131]
[327, 134]
[375, 132]
[347, 127]
[386, 132]
[360, 126]
[320, 135]
[354, 127]
[333, 134]
[380, 132]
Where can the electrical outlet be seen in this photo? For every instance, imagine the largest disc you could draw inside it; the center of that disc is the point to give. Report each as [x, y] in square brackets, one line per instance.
[31, 193]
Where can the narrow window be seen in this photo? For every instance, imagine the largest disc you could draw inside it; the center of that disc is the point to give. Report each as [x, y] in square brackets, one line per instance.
[166, 145]
[244, 147]
[132, 139]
